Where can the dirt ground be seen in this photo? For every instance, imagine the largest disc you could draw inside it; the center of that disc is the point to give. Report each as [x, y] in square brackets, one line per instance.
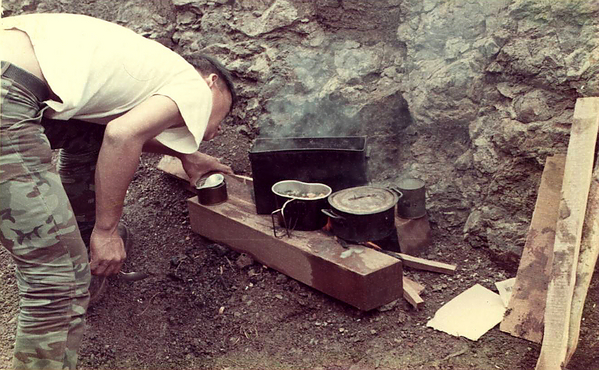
[207, 307]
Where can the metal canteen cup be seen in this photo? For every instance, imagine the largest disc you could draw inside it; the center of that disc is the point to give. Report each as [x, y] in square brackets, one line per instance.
[413, 203]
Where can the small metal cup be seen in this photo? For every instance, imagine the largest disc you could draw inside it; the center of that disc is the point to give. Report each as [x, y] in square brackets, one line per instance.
[212, 190]
[413, 203]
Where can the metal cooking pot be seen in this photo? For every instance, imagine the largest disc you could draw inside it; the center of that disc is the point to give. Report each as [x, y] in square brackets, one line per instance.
[212, 189]
[299, 204]
[363, 213]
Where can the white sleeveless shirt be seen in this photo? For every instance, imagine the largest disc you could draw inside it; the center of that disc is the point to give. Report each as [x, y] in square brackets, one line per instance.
[99, 69]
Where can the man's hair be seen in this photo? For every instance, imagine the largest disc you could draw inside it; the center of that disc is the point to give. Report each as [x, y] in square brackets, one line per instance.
[206, 65]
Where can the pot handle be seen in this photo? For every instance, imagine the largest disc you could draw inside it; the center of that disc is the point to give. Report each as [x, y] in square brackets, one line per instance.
[282, 211]
[396, 190]
[332, 214]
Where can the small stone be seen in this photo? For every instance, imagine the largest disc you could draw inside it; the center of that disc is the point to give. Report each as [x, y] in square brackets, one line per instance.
[281, 279]
[244, 261]
[388, 306]
[220, 250]
[176, 260]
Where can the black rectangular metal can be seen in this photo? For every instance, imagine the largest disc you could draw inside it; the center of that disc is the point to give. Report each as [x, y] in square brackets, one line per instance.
[339, 162]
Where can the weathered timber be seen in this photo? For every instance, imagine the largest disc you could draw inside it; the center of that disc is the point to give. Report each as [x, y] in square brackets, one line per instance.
[589, 251]
[423, 264]
[359, 276]
[419, 288]
[524, 317]
[411, 293]
[571, 214]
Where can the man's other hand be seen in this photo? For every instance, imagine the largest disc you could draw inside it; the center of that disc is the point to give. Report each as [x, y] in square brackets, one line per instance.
[107, 252]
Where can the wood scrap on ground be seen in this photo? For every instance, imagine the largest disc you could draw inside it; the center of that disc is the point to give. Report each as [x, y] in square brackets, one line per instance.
[419, 288]
[526, 308]
[411, 292]
[571, 214]
[424, 264]
[417, 262]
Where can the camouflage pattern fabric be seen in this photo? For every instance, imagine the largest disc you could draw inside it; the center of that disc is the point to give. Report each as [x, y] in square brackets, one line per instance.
[38, 227]
[79, 143]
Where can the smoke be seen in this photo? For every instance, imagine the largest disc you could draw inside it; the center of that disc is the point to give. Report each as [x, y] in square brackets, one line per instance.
[312, 102]
[296, 116]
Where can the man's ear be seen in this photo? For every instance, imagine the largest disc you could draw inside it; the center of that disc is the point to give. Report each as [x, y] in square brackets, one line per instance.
[211, 79]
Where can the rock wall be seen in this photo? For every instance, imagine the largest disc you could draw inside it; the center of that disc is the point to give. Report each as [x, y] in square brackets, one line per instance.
[469, 95]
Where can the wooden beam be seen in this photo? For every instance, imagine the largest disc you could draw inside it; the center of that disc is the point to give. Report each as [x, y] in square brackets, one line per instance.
[524, 317]
[589, 252]
[359, 276]
[571, 214]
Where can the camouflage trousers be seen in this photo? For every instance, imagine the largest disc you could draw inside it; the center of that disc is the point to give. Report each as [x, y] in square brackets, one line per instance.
[41, 205]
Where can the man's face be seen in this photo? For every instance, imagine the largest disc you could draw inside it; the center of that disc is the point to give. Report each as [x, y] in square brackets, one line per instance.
[221, 105]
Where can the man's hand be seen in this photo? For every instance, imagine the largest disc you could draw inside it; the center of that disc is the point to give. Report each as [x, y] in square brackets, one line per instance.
[198, 164]
[107, 252]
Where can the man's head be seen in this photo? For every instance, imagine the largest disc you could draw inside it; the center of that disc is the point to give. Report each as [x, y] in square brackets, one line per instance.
[220, 83]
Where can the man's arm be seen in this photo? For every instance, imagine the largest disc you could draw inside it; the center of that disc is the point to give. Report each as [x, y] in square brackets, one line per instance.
[124, 139]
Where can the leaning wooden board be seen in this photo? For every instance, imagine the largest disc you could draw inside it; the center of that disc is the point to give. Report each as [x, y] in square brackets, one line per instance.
[589, 251]
[524, 317]
[571, 214]
[359, 276]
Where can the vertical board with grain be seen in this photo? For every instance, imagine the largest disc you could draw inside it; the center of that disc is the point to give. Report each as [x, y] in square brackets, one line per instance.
[571, 214]
[524, 315]
[589, 251]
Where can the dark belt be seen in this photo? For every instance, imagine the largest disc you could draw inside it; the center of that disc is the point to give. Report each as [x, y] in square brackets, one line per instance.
[27, 80]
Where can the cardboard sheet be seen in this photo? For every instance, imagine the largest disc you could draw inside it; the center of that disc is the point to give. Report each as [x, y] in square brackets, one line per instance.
[470, 314]
[505, 290]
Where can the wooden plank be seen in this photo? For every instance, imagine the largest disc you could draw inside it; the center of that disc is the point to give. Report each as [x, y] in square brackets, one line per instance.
[589, 252]
[571, 213]
[411, 294]
[524, 317]
[359, 276]
[419, 288]
[422, 263]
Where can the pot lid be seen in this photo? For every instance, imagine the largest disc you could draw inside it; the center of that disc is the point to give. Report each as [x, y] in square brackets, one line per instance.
[363, 200]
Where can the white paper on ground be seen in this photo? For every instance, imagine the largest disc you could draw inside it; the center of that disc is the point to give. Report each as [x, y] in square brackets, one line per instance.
[470, 314]
[505, 290]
